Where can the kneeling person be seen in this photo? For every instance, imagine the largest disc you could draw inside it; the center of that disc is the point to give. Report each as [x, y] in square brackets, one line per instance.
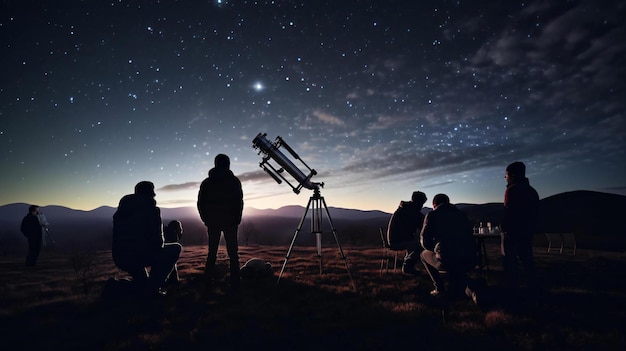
[448, 245]
[138, 240]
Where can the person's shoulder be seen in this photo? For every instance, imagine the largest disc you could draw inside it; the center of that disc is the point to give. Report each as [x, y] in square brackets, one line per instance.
[128, 197]
[126, 200]
[234, 178]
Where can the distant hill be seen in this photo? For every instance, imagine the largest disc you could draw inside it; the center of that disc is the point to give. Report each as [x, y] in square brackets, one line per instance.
[92, 229]
[298, 211]
[593, 216]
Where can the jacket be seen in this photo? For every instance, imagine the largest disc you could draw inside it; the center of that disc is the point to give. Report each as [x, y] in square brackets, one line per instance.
[220, 199]
[137, 228]
[405, 223]
[448, 229]
[30, 227]
[521, 208]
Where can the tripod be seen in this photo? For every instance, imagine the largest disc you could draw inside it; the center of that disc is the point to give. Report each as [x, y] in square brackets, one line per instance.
[315, 204]
[48, 237]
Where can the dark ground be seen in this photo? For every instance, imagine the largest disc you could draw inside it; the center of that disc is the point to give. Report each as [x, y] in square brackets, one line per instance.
[581, 306]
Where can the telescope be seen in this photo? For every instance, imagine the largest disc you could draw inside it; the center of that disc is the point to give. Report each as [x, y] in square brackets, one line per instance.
[271, 151]
[281, 163]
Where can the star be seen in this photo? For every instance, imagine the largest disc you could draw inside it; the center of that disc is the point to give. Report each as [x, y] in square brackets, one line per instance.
[258, 86]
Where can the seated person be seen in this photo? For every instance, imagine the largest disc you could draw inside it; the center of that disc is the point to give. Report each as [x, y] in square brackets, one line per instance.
[138, 240]
[404, 227]
[447, 238]
[172, 233]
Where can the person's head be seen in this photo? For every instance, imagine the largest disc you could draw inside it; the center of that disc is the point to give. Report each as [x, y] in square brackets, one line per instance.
[440, 199]
[514, 172]
[222, 161]
[33, 209]
[418, 197]
[145, 188]
[175, 226]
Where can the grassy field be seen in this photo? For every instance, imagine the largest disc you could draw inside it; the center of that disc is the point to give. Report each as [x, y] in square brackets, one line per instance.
[58, 304]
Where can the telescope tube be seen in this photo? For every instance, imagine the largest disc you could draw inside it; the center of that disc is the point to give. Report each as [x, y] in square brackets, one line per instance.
[271, 150]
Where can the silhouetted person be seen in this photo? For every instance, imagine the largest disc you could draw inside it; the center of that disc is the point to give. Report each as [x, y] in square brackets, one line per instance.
[138, 240]
[220, 205]
[31, 228]
[403, 230]
[448, 241]
[172, 233]
[519, 223]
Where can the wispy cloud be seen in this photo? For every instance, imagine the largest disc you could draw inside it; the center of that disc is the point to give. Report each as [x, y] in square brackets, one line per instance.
[328, 118]
[179, 187]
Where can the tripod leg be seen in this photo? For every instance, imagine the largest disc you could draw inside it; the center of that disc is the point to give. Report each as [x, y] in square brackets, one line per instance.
[345, 259]
[49, 237]
[295, 235]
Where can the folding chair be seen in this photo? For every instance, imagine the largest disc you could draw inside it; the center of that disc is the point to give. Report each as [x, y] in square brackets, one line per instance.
[555, 240]
[569, 241]
[561, 241]
[384, 261]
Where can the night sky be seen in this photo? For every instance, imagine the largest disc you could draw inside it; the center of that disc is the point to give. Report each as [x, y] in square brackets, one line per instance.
[381, 98]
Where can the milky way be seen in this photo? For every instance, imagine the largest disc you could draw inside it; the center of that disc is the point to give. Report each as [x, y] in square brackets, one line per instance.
[380, 97]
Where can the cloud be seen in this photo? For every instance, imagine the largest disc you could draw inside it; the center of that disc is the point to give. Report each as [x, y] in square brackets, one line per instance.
[327, 118]
[386, 122]
[438, 184]
[254, 176]
[179, 187]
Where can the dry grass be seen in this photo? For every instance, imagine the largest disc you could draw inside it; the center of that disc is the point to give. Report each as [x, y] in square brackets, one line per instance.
[581, 306]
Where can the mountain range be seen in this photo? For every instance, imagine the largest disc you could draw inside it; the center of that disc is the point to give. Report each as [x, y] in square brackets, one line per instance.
[594, 217]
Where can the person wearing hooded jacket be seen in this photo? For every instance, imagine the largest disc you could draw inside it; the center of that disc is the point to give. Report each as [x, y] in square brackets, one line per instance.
[403, 230]
[138, 240]
[220, 205]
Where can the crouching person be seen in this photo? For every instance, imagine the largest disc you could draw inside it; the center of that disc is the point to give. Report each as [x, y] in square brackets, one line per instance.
[448, 245]
[138, 241]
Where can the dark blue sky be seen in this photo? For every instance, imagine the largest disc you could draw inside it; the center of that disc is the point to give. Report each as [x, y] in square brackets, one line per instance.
[380, 97]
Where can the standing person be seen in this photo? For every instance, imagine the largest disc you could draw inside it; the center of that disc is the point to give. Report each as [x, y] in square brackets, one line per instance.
[31, 228]
[220, 205]
[519, 223]
[403, 230]
[448, 241]
[138, 241]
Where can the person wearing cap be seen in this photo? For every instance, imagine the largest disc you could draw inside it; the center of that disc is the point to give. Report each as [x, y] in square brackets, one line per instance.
[220, 205]
[403, 229]
[519, 223]
[138, 241]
